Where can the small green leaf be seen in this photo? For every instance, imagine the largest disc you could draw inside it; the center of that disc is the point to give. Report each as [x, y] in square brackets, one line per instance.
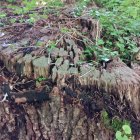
[125, 137]
[64, 30]
[127, 129]
[105, 59]
[2, 15]
[100, 42]
[135, 50]
[114, 33]
[40, 79]
[118, 135]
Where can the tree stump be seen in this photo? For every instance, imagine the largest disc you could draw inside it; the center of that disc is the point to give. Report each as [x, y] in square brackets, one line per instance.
[70, 105]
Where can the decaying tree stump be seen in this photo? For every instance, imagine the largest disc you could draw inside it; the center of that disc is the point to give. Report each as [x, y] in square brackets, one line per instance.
[71, 111]
[69, 106]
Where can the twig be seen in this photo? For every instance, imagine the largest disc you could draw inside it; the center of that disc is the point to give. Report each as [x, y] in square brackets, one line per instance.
[17, 89]
[14, 25]
[85, 73]
[81, 36]
[97, 33]
[2, 68]
[20, 83]
[4, 98]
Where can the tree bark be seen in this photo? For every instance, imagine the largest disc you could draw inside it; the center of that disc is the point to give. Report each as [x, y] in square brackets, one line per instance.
[52, 120]
[71, 109]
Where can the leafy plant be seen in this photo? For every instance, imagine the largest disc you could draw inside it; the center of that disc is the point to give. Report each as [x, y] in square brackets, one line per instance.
[81, 5]
[56, 3]
[99, 53]
[2, 15]
[127, 129]
[13, 20]
[105, 118]
[51, 44]
[31, 20]
[11, 1]
[121, 127]
[124, 134]
[64, 30]
[29, 5]
[40, 79]
[117, 34]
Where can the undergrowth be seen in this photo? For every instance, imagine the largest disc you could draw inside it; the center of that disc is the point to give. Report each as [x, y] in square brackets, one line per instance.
[120, 21]
[121, 128]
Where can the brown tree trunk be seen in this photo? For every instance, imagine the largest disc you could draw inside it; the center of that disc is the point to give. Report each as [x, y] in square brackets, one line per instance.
[52, 120]
[73, 109]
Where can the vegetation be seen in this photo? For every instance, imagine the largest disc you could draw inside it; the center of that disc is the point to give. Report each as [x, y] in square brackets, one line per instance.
[117, 36]
[121, 127]
[124, 134]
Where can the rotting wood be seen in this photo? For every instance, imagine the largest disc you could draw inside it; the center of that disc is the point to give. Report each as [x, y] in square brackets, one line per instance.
[117, 78]
[79, 93]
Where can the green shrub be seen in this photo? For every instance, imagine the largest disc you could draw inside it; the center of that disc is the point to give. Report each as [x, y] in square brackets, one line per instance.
[120, 23]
